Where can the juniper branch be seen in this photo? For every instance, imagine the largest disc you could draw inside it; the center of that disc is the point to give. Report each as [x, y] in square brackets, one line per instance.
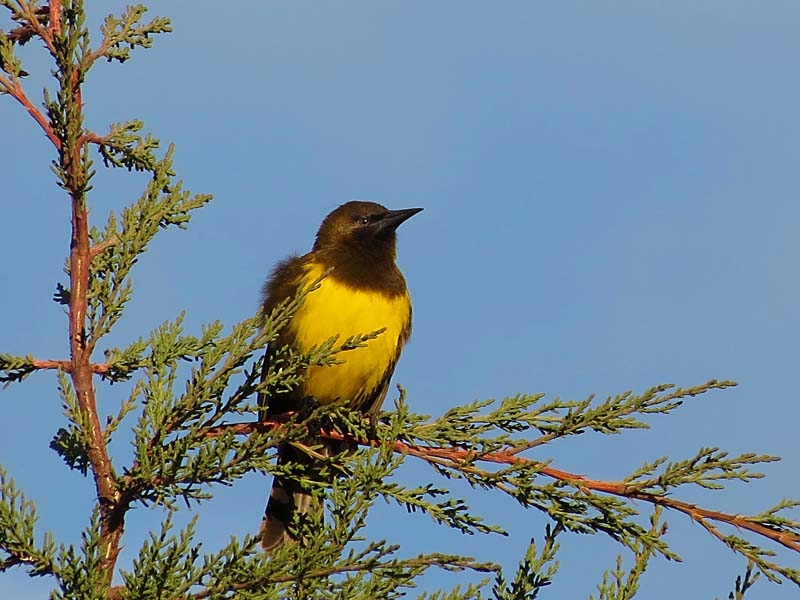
[17, 521]
[578, 502]
[744, 583]
[535, 571]
[621, 585]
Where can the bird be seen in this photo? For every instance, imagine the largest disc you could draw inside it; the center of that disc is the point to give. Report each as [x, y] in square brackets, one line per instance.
[363, 291]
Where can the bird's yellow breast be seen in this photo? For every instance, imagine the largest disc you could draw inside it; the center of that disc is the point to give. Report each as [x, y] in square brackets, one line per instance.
[336, 308]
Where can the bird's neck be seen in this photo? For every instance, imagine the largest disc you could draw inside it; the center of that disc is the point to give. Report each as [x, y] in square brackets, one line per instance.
[362, 269]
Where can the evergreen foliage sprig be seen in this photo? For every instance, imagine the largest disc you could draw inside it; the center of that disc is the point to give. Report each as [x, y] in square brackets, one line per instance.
[17, 520]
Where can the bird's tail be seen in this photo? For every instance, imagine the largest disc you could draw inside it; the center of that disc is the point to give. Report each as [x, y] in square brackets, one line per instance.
[286, 499]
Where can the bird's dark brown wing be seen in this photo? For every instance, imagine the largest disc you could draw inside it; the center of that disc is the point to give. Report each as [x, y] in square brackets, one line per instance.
[286, 497]
[281, 285]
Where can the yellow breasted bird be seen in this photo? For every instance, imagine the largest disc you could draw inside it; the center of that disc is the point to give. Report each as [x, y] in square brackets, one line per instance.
[364, 292]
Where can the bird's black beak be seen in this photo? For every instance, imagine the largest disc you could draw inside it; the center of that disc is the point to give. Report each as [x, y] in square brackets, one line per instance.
[394, 218]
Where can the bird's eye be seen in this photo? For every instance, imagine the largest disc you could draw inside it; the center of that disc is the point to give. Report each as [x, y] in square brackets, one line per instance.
[364, 221]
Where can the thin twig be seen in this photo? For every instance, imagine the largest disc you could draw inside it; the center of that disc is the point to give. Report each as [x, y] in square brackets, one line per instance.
[66, 366]
[103, 246]
[55, 17]
[15, 90]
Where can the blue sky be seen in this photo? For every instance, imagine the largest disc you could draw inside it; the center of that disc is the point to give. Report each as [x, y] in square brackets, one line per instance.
[611, 202]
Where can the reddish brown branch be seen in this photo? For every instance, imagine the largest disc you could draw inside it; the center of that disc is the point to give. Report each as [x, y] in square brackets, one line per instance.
[66, 365]
[91, 137]
[15, 90]
[81, 368]
[99, 52]
[103, 246]
[38, 21]
[81, 371]
[45, 22]
[456, 457]
[63, 365]
[55, 17]
[696, 513]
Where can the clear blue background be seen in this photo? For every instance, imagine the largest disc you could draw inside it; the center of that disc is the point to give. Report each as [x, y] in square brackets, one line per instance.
[611, 202]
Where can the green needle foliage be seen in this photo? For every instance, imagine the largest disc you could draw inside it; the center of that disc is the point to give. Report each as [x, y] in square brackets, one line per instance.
[191, 416]
[619, 584]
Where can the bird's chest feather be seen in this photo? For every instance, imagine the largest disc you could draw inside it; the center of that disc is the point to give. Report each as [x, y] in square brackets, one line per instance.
[338, 309]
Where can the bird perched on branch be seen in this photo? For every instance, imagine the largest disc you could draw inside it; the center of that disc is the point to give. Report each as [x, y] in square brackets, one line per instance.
[363, 292]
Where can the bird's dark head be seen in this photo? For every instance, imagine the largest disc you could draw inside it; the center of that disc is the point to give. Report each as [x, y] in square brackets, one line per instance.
[362, 226]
